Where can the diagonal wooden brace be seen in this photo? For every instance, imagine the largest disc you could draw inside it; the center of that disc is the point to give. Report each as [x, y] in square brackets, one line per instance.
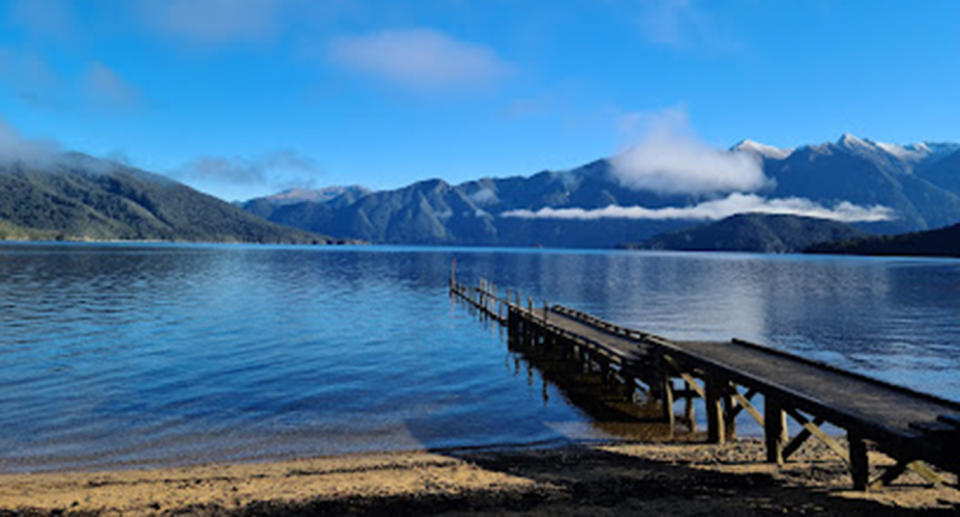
[743, 402]
[798, 440]
[685, 376]
[819, 434]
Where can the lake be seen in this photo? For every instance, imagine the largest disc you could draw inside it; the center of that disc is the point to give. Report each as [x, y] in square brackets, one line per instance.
[135, 355]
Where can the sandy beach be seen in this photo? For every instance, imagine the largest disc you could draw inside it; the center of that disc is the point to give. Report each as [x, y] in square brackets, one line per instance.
[595, 479]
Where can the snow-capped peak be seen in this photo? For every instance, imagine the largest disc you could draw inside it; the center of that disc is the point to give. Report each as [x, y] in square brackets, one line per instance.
[767, 151]
[850, 140]
[912, 152]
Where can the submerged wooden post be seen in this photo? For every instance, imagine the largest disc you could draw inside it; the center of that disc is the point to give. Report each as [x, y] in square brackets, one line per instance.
[714, 406]
[859, 463]
[774, 420]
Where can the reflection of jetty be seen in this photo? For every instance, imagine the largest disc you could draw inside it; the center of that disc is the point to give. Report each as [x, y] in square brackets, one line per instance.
[915, 429]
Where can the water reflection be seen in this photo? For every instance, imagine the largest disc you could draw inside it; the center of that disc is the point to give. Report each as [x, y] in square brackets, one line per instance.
[157, 354]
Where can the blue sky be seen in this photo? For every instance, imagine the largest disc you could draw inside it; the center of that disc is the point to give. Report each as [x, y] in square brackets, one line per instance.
[244, 98]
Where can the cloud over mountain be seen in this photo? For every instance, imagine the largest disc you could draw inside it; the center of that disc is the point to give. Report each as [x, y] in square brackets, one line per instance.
[15, 148]
[718, 209]
[669, 158]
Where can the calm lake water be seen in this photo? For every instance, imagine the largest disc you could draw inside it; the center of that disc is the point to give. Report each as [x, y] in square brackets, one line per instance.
[141, 355]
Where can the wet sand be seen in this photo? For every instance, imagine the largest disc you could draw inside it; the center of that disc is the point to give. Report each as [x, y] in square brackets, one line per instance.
[669, 479]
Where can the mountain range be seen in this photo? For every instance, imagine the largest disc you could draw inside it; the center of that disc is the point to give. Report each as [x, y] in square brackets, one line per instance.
[77, 197]
[918, 186]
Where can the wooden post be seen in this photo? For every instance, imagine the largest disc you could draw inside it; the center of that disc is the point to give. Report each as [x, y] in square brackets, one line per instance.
[859, 464]
[688, 409]
[546, 307]
[453, 274]
[774, 425]
[666, 388]
[530, 305]
[714, 406]
[730, 416]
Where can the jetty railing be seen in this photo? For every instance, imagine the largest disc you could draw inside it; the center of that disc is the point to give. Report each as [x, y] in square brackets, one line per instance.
[917, 430]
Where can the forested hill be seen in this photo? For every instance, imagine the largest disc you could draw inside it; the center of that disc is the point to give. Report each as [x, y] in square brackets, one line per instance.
[77, 197]
[763, 233]
[942, 242]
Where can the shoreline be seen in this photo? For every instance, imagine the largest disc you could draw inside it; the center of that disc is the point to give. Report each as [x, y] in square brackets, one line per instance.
[675, 478]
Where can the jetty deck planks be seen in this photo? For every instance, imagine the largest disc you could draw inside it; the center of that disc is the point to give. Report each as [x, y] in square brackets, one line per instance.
[912, 427]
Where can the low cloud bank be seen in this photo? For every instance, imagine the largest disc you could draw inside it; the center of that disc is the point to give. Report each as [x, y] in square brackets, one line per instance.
[15, 148]
[264, 169]
[670, 158]
[718, 209]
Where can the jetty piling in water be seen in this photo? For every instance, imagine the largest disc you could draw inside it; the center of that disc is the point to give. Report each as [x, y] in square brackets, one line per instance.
[918, 430]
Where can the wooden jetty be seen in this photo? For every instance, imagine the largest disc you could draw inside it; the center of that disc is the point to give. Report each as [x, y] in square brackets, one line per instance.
[918, 430]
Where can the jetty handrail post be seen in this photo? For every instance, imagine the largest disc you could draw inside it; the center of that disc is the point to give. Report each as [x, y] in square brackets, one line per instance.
[546, 308]
[530, 305]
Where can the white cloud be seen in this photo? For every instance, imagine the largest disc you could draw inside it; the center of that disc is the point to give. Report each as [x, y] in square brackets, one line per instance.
[419, 58]
[212, 22]
[682, 25]
[484, 196]
[109, 89]
[283, 168]
[15, 148]
[718, 209]
[671, 159]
